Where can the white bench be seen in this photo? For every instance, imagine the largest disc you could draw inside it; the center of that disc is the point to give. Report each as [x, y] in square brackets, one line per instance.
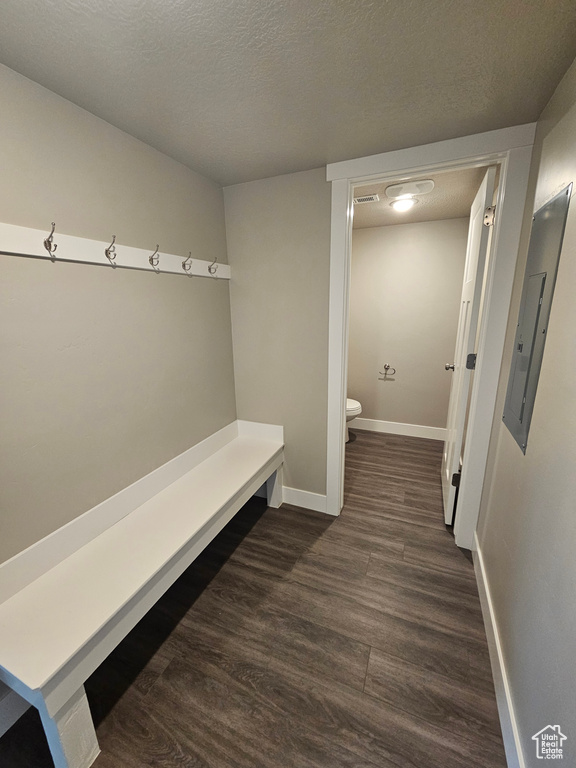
[69, 600]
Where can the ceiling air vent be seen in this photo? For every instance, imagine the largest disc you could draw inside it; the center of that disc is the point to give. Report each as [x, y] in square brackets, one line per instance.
[409, 188]
[366, 199]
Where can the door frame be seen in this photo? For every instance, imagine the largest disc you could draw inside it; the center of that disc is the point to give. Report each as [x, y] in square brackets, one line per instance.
[511, 148]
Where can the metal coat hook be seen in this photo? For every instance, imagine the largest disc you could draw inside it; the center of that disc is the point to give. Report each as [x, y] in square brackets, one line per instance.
[187, 264]
[213, 268]
[388, 370]
[154, 260]
[49, 243]
[110, 252]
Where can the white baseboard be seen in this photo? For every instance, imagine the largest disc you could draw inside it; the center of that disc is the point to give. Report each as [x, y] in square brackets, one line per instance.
[510, 734]
[304, 499]
[397, 428]
[298, 498]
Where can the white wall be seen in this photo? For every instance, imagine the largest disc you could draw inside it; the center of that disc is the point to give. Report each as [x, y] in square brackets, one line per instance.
[278, 233]
[105, 374]
[527, 529]
[405, 293]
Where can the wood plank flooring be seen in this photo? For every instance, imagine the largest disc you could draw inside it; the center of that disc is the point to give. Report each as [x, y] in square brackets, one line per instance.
[302, 640]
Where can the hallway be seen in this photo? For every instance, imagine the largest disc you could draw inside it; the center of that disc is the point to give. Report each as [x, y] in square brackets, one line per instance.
[301, 640]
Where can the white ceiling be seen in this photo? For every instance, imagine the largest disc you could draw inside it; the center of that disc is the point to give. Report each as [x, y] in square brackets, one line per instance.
[244, 89]
[451, 198]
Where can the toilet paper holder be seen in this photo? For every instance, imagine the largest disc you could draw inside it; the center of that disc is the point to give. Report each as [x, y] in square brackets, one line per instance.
[388, 370]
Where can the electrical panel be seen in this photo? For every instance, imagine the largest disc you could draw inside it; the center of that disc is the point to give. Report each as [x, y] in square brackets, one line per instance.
[541, 267]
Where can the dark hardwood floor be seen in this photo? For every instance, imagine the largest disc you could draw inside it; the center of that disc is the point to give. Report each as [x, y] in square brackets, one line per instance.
[301, 640]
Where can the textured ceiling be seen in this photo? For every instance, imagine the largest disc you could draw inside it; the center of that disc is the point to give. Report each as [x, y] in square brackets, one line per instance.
[451, 198]
[244, 89]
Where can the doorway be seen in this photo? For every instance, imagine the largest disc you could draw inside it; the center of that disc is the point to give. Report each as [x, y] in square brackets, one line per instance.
[407, 269]
[412, 264]
[511, 148]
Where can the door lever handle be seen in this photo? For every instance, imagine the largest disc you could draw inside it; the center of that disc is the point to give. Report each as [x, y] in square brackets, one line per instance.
[449, 366]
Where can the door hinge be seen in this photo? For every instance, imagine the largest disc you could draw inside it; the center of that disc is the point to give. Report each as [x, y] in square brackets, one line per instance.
[489, 214]
[471, 362]
[456, 479]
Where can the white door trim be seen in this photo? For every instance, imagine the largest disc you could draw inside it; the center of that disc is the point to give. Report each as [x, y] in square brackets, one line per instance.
[512, 148]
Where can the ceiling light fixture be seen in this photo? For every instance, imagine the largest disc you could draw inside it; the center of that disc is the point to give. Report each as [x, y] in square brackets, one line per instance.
[403, 204]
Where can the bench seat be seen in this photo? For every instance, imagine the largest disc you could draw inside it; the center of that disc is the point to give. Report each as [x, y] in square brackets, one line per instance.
[60, 627]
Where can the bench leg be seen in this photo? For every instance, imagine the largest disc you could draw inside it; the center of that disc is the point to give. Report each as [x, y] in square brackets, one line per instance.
[70, 733]
[274, 489]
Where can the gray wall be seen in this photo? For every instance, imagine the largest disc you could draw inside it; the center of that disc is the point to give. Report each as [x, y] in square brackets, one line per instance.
[106, 374]
[278, 234]
[405, 293]
[527, 530]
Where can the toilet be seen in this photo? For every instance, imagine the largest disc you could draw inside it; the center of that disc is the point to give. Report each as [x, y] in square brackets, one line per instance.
[353, 409]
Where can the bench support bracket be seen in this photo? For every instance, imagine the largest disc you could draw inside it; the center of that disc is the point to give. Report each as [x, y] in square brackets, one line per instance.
[274, 488]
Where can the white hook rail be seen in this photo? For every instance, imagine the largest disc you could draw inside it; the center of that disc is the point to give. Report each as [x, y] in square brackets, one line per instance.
[32, 243]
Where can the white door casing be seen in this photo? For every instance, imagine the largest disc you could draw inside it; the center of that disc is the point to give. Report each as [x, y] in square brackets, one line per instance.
[476, 250]
[512, 148]
[341, 232]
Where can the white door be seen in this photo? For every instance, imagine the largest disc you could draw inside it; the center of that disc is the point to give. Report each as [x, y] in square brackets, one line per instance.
[465, 340]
